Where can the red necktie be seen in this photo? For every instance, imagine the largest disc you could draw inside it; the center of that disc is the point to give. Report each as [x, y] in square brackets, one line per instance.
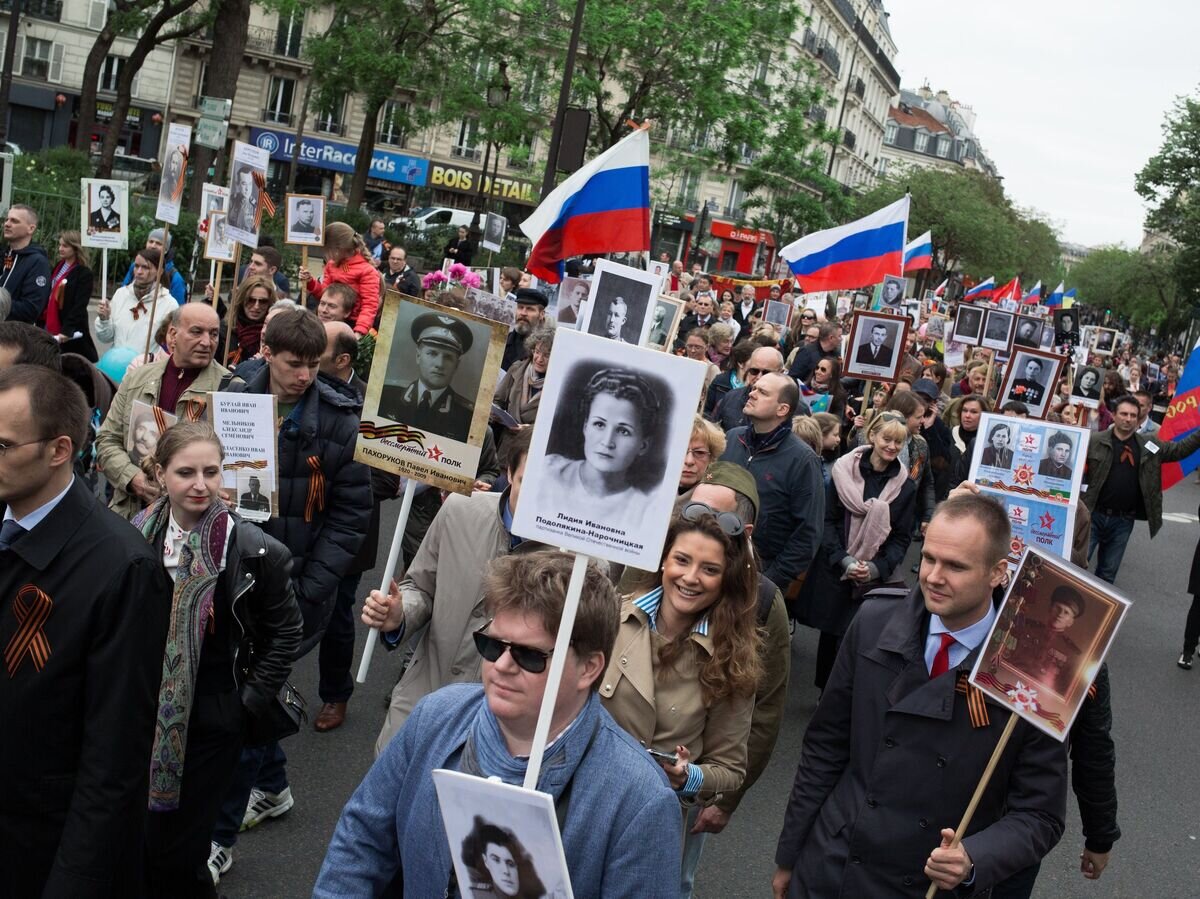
[941, 661]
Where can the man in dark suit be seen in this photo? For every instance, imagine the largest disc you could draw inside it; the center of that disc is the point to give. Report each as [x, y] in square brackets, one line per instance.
[430, 403]
[876, 351]
[253, 500]
[856, 824]
[84, 608]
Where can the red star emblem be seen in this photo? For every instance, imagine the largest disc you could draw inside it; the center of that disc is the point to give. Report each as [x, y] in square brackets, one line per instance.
[1046, 522]
[434, 453]
[1024, 474]
[1018, 545]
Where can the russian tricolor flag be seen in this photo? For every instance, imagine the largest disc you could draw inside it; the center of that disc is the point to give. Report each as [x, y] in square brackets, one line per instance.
[941, 288]
[603, 208]
[1034, 295]
[1055, 298]
[1182, 418]
[1069, 298]
[919, 253]
[981, 291]
[852, 255]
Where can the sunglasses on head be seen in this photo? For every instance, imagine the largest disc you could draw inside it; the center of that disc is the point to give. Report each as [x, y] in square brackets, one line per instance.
[527, 657]
[727, 521]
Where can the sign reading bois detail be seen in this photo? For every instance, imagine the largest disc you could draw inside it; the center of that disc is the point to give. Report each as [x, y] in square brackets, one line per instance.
[607, 449]
[245, 422]
[430, 393]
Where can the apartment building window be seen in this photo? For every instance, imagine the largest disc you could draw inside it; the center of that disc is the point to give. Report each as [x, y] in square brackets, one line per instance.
[279, 100]
[889, 136]
[520, 154]
[689, 188]
[331, 116]
[943, 146]
[921, 143]
[38, 57]
[391, 123]
[287, 38]
[467, 145]
[534, 85]
[737, 196]
[110, 72]
[98, 14]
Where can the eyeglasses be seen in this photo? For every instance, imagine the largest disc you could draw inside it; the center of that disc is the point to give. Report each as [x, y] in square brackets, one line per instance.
[727, 521]
[5, 447]
[759, 372]
[258, 301]
[811, 315]
[527, 658]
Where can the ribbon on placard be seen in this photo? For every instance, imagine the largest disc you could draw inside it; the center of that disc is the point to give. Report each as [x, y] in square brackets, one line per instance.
[32, 607]
[240, 465]
[399, 433]
[316, 489]
[265, 203]
[1053, 718]
[177, 193]
[160, 420]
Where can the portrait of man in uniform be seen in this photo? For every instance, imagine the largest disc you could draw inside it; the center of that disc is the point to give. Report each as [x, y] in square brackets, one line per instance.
[1044, 648]
[429, 401]
[1057, 463]
[254, 500]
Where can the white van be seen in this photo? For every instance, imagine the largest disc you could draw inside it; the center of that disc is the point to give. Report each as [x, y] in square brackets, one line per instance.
[434, 217]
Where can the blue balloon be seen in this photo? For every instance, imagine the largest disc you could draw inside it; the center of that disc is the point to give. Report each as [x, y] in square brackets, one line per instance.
[116, 361]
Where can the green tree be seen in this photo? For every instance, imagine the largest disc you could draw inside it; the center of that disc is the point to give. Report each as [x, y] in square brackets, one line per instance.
[1139, 286]
[1168, 183]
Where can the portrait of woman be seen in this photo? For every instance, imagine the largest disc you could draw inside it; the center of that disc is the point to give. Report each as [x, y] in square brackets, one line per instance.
[998, 453]
[499, 864]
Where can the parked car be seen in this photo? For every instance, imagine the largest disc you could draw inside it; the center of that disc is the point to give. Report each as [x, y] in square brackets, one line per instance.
[433, 217]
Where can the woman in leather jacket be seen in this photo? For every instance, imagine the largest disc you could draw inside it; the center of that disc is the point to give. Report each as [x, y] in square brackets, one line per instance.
[234, 629]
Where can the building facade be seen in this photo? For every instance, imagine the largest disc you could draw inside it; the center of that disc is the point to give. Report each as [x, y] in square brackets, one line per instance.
[931, 130]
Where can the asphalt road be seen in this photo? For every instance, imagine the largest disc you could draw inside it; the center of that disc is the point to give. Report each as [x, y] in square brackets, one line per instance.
[1156, 716]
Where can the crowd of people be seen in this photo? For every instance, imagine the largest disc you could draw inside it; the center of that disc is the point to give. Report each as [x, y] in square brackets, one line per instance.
[128, 566]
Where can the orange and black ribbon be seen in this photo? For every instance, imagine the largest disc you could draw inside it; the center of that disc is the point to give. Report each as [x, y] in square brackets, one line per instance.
[316, 489]
[194, 410]
[177, 193]
[253, 464]
[265, 203]
[976, 704]
[399, 433]
[32, 608]
[160, 420]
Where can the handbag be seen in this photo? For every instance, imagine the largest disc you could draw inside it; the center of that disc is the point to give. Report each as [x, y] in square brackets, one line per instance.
[281, 718]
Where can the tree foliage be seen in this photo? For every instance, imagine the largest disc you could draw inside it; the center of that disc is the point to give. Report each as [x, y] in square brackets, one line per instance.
[1141, 287]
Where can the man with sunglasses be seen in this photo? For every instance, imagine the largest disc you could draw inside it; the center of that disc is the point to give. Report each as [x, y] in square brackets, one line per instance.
[728, 412]
[828, 345]
[618, 817]
[443, 589]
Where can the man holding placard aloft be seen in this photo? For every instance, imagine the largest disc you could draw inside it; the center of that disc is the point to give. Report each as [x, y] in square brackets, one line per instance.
[895, 750]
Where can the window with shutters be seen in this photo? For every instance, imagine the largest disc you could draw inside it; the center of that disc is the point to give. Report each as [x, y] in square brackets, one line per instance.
[921, 142]
[110, 72]
[36, 63]
[98, 14]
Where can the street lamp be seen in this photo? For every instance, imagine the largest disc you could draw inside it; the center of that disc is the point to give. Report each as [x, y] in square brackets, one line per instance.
[498, 92]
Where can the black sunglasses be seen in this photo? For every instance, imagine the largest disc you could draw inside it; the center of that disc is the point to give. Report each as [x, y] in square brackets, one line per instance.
[727, 521]
[759, 372]
[527, 657]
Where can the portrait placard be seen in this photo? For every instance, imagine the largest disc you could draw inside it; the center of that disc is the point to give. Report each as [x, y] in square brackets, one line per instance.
[1028, 332]
[889, 294]
[664, 322]
[619, 303]
[495, 226]
[955, 354]
[504, 839]
[245, 422]
[104, 213]
[779, 313]
[1104, 342]
[968, 324]
[146, 424]
[607, 449]
[660, 270]
[935, 327]
[305, 222]
[997, 330]
[246, 186]
[1035, 470]
[491, 306]
[174, 173]
[845, 304]
[1066, 326]
[1030, 378]
[1050, 636]
[876, 346]
[432, 378]
[1087, 386]
[572, 301]
[213, 198]
[217, 244]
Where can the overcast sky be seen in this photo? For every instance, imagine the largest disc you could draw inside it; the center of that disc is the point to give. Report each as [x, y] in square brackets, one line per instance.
[1069, 95]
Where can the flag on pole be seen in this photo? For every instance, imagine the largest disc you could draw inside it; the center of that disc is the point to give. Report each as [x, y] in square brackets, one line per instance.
[981, 291]
[1069, 298]
[1182, 419]
[603, 208]
[919, 253]
[940, 290]
[1056, 298]
[852, 255]
[1035, 295]
[1010, 291]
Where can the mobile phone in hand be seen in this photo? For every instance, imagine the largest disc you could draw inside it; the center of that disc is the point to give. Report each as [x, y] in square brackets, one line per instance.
[669, 759]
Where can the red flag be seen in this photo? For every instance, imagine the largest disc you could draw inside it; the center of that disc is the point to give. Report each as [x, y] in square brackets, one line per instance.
[1010, 291]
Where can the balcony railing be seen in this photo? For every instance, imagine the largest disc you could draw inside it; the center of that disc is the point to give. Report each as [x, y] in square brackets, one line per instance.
[471, 153]
[278, 116]
[850, 140]
[327, 127]
[830, 57]
[818, 113]
[860, 88]
[50, 10]
[811, 44]
[272, 41]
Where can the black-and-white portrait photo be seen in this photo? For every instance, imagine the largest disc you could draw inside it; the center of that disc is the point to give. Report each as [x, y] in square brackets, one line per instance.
[1106, 341]
[1030, 378]
[1028, 332]
[173, 177]
[1057, 461]
[433, 376]
[244, 192]
[607, 448]
[305, 223]
[1066, 327]
[876, 345]
[1085, 389]
[998, 451]
[935, 327]
[146, 424]
[504, 840]
[663, 321]
[572, 301]
[620, 303]
[495, 226]
[104, 214]
[997, 330]
[778, 313]
[253, 501]
[968, 325]
[891, 293]
[218, 246]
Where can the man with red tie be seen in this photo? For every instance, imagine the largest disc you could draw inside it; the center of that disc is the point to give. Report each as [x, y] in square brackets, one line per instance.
[893, 754]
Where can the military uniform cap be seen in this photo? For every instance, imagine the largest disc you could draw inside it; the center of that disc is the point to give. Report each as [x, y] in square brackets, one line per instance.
[442, 330]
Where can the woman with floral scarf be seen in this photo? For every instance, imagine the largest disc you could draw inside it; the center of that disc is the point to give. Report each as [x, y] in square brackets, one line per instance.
[234, 627]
